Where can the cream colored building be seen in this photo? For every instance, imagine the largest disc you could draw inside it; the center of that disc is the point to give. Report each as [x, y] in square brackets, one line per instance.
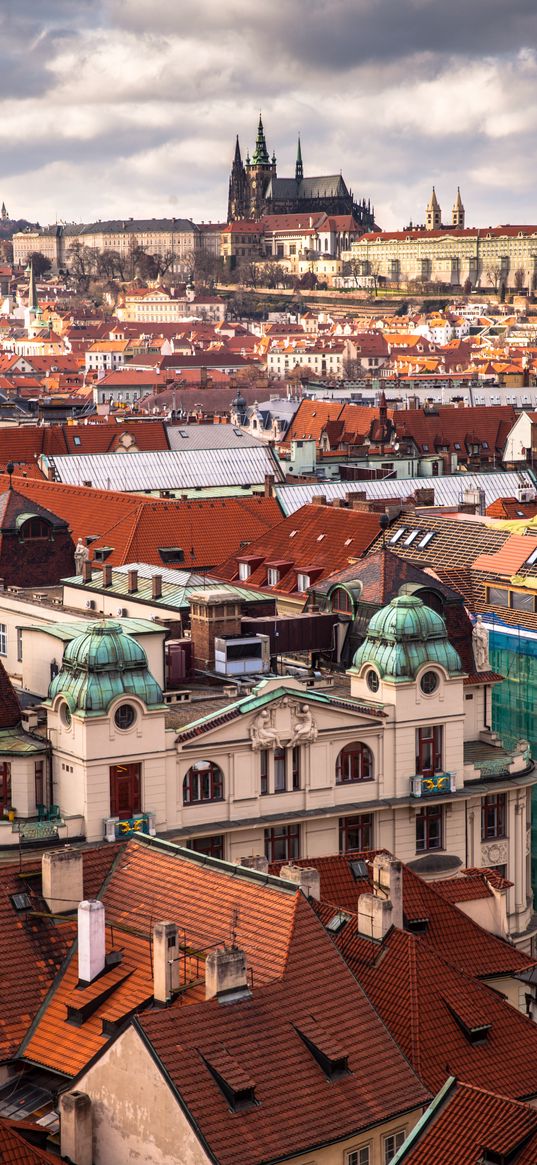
[175, 237]
[402, 761]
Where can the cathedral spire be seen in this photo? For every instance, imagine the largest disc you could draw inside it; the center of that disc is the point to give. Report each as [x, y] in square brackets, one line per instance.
[32, 289]
[433, 214]
[3, 212]
[261, 155]
[457, 213]
[299, 172]
[237, 201]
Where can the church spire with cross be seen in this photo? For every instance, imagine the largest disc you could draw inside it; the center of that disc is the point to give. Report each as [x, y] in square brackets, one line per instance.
[299, 170]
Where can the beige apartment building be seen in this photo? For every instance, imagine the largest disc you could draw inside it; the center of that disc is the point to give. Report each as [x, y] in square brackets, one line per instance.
[164, 237]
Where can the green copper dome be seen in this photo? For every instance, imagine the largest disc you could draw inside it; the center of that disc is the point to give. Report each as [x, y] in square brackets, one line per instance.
[100, 665]
[404, 636]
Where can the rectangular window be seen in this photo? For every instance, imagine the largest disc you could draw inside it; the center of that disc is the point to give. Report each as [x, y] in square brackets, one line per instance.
[493, 816]
[39, 782]
[522, 602]
[263, 770]
[280, 770]
[358, 1156]
[19, 644]
[245, 571]
[213, 846]
[302, 582]
[498, 596]
[282, 844]
[392, 1144]
[429, 828]
[273, 576]
[356, 832]
[5, 786]
[295, 757]
[429, 742]
[3, 639]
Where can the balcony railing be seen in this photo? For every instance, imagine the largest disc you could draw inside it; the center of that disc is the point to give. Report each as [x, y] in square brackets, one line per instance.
[430, 784]
[124, 827]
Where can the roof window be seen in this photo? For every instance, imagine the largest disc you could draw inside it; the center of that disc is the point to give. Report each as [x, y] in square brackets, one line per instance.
[475, 1032]
[425, 448]
[320, 537]
[171, 554]
[21, 901]
[237, 1087]
[323, 1047]
[359, 870]
[426, 539]
[337, 922]
[411, 537]
[457, 445]
[532, 558]
[398, 534]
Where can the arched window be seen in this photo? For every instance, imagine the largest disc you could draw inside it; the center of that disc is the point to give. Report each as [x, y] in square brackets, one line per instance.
[354, 763]
[35, 528]
[204, 781]
[341, 601]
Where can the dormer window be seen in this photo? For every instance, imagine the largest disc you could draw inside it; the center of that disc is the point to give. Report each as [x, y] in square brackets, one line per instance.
[35, 530]
[245, 571]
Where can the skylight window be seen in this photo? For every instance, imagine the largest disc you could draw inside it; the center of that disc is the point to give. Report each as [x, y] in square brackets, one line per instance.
[359, 870]
[457, 445]
[337, 922]
[321, 536]
[411, 537]
[398, 534]
[347, 542]
[532, 558]
[21, 901]
[425, 448]
[426, 539]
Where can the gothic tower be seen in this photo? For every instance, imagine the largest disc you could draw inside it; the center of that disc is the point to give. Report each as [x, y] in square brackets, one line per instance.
[433, 214]
[457, 213]
[238, 188]
[259, 171]
[299, 170]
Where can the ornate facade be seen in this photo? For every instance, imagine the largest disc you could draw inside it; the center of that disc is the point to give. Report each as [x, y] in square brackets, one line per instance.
[256, 190]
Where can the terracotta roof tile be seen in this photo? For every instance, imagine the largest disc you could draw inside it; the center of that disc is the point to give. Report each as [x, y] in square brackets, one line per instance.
[470, 1120]
[16, 1149]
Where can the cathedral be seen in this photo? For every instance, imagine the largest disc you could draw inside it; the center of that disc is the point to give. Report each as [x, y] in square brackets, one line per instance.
[255, 189]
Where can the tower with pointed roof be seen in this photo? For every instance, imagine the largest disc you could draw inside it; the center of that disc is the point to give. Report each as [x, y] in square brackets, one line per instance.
[433, 214]
[3, 213]
[299, 169]
[259, 171]
[238, 198]
[457, 213]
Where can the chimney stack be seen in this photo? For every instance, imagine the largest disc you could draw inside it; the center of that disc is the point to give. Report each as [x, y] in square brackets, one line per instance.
[213, 614]
[132, 576]
[256, 862]
[269, 485]
[107, 576]
[226, 975]
[165, 961]
[379, 911]
[156, 586]
[306, 877]
[86, 572]
[62, 877]
[91, 940]
[76, 1128]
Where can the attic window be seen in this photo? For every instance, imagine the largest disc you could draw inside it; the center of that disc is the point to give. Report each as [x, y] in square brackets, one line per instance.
[237, 1087]
[457, 445]
[532, 558]
[425, 448]
[293, 532]
[171, 554]
[76, 441]
[476, 1033]
[324, 1048]
[21, 901]
[102, 553]
[347, 542]
[398, 534]
[426, 539]
[337, 922]
[416, 925]
[320, 537]
[359, 870]
[413, 534]
[484, 444]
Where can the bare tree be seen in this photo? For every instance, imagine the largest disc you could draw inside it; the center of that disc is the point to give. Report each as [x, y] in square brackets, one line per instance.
[40, 263]
[494, 274]
[520, 279]
[81, 261]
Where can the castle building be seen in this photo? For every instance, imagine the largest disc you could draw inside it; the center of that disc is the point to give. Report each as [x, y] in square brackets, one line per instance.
[255, 190]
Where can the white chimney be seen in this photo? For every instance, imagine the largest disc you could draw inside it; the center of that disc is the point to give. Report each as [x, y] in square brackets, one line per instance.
[62, 879]
[76, 1128]
[165, 961]
[306, 877]
[379, 911]
[256, 862]
[91, 940]
[226, 975]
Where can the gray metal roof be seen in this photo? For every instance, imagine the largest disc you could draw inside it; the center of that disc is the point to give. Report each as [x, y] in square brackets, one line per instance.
[176, 588]
[448, 490]
[205, 437]
[173, 469]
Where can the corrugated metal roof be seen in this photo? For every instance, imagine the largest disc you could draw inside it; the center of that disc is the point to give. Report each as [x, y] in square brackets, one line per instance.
[177, 586]
[448, 490]
[185, 469]
[201, 437]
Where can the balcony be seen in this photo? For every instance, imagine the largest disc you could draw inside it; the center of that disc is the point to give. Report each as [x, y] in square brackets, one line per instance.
[120, 828]
[432, 784]
[485, 761]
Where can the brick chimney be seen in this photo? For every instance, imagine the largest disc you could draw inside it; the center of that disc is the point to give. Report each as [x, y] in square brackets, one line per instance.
[212, 614]
[107, 576]
[132, 576]
[379, 911]
[165, 961]
[226, 975]
[91, 940]
[76, 1136]
[269, 485]
[318, 500]
[306, 877]
[255, 862]
[62, 877]
[86, 572]
[156, 586]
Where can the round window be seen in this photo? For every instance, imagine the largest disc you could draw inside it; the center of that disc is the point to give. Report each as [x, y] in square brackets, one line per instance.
[429, 683]
[125, 716]
[65, 714]
[372, 681]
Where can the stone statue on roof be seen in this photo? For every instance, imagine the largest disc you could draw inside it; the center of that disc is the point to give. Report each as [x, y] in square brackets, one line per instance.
[263, 734]
[304, 727]
[480, 644]
[81, 556]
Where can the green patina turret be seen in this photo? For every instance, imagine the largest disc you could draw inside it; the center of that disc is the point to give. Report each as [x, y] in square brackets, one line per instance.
[260, 155]
[404, 636]
[100, 665]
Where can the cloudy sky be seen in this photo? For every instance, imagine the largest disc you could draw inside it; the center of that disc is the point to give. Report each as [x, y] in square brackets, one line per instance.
[130, 107]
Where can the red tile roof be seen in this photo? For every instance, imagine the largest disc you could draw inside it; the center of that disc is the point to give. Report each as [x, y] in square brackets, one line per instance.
[16, 1149]
[316, 540]
[469, 1120]
[298, 1107]
[136, 527]
[24, 444]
